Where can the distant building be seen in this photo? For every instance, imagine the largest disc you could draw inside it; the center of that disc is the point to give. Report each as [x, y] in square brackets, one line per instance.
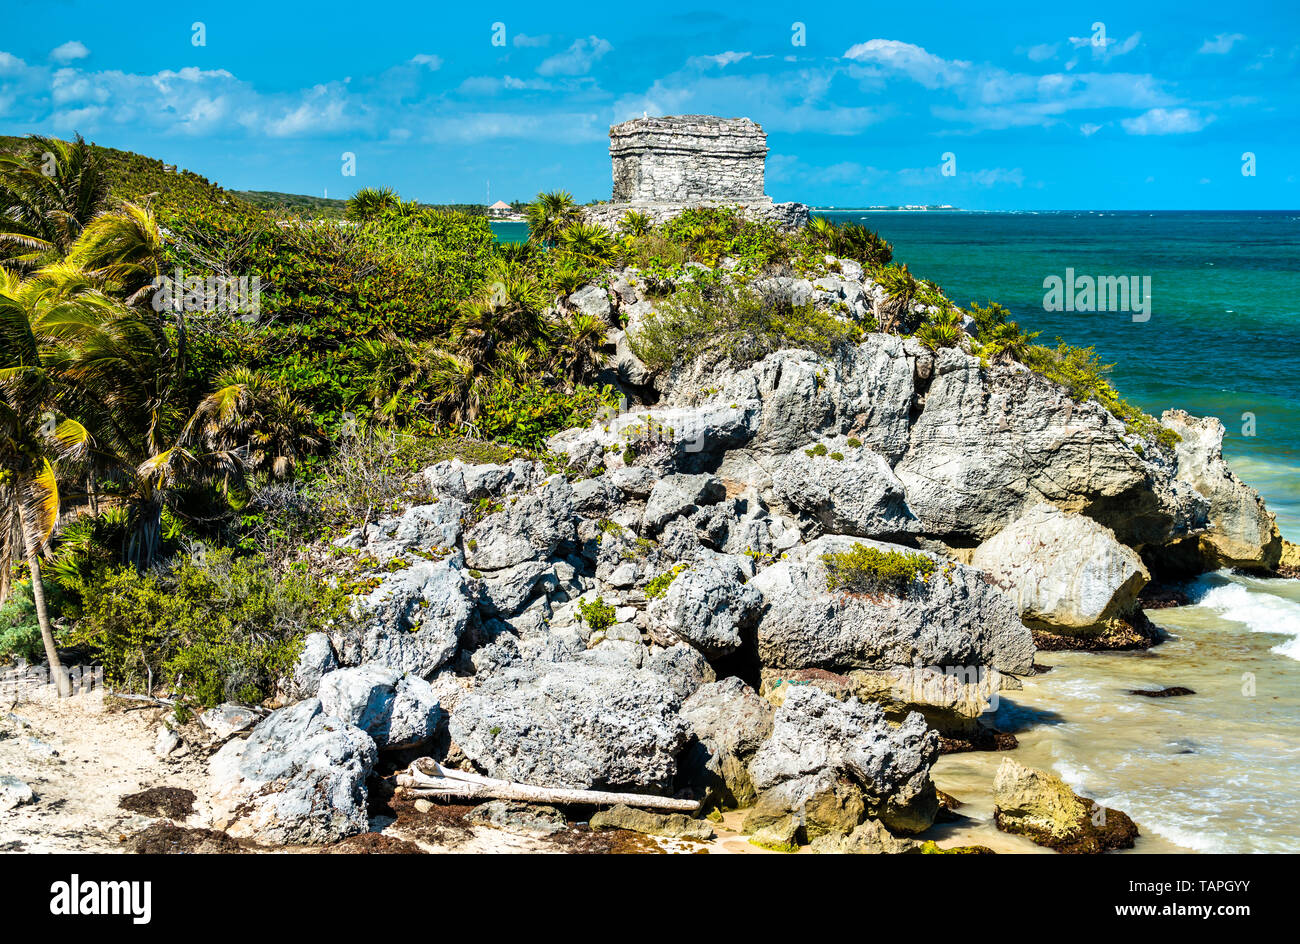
[500, 208]
[665, 165]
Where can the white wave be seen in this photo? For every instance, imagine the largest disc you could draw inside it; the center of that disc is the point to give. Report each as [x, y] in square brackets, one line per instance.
[1258, 610]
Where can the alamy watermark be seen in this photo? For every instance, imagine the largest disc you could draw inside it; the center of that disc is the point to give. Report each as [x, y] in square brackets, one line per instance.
[1126, 293]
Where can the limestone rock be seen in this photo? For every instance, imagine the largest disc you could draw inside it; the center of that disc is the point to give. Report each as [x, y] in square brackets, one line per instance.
[316, 659]
[227, 720]
[412, 621]
[1040, 806]
[707, 605]
[299, 777]
[528, 528]
[396, 709]
[856, 493]
[730, 722]
[955, 618]
[683, 668]
[676, 495]
[833, 763]
[672, 825]
[573, 724]
[1242, 532]
[868, 838]
[516, 817]
[1065, 571]
[14, 793]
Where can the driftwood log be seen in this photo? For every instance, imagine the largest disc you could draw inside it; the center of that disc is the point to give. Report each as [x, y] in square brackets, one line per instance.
[426, 777]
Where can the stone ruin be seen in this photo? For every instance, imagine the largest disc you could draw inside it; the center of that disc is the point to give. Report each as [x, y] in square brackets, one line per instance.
[663, 166]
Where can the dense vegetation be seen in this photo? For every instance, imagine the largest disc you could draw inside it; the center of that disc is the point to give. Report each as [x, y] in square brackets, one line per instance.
[195, 393]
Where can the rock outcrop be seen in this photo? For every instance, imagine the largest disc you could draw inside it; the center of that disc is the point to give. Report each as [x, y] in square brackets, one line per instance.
[829, 764]
[1040, 806]
[1066, 572]
[299, 777]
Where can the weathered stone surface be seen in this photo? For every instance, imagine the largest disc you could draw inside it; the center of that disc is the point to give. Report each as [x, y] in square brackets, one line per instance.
[299, 777]
[396, 709]
[316, 659]
[422, 528]
[226, 720]
[672, 825]
[531, 527]
[516, 817]
[730, 722]
[833, 763]
[1040, 806]
[955, 618]
[675, 495]
[683, 668]
[1065, 571]
[857, 493]
[573, 724]
[412, 621]
[992, 442]
[468, 481]
[14, 793]
[677, 159]
[1242, 532]
[708, 605]
[868, 838]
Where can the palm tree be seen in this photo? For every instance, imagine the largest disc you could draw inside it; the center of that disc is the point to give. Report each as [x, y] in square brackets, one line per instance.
[548, 214]
[577, 353]
[635, 223]
[122, 374]
[369, 203]
[586, 242]
[508, 308]
[33, 436]
[47, 196]
[121, 249]
[256, 419]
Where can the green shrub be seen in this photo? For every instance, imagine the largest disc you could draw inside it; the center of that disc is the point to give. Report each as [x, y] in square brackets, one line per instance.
[817, 450]
[214, 629]
[20, 633]
[863, 569]
[734, 322]
[659, 585]
[596, 613]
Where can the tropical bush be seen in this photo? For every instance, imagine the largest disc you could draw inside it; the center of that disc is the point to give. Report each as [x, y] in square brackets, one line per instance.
[213, 628]
[863, 569]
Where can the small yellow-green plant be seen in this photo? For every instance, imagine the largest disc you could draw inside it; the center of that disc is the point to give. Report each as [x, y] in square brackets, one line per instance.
[863, 569]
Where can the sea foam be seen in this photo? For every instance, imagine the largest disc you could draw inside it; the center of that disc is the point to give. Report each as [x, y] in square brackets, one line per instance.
[1258, 609]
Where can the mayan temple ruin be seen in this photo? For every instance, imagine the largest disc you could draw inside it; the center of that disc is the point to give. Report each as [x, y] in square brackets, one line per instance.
[662, 166]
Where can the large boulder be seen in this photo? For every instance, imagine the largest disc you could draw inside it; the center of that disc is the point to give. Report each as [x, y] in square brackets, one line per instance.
[398, 710]
[585, 725]
[1242, 531]
[708, 604]
[1065, 571]
[412, 621]
[992, 442]
[730, 723]
[299, 777]
[422, 528]
[314, 661]
[1040, 806]
[830, 764]
[955, 618]
[676, 495]
[528, 528]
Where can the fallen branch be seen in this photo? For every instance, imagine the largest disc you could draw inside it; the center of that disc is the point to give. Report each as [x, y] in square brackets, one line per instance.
[445, 782]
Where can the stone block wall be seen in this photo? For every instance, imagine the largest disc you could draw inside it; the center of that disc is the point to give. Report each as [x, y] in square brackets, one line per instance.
[687, 158]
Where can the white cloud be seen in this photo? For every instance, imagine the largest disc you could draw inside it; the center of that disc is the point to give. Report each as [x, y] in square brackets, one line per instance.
[1041, 52]
[721, 60]
[1221, 44]
[523, 39]
[1166, 121]
[433, 63]
[577, 59]
[922, 67]
[1087, 129]
[70, 51]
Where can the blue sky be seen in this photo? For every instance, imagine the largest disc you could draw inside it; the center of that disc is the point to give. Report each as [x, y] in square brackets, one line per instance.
[1041, 105]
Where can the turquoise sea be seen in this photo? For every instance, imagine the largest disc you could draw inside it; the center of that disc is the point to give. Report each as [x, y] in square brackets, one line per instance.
[1223, 338]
